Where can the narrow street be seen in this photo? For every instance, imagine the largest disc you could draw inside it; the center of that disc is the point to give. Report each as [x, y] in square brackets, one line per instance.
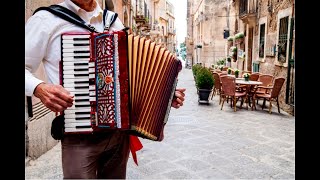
[204, 142]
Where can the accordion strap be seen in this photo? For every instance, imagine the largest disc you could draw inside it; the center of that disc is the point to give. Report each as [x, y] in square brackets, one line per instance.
[72, 17]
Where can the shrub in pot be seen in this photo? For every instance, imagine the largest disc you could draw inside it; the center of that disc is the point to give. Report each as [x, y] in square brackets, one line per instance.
[204, 83]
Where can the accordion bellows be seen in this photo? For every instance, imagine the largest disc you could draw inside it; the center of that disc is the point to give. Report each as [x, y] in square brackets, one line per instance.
[120, 81]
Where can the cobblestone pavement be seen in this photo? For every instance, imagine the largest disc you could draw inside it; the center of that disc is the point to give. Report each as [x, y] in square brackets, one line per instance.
[204, 142]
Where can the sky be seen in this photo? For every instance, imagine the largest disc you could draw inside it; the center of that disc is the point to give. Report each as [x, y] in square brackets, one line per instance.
[180, 13]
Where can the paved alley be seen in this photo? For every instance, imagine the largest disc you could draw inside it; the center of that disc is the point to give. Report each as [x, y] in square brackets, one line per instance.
[204, 142]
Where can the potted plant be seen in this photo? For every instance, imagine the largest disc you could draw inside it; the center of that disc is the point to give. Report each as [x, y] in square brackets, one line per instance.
[195, 69]
[229, 59]
[239, 37]
[234, 53]
[229, 70]
[246, 76]
[236, 73]
[230, 41]
[204, 83]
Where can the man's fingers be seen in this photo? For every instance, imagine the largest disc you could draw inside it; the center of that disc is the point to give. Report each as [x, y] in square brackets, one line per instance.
[63, 94]
[181, 89]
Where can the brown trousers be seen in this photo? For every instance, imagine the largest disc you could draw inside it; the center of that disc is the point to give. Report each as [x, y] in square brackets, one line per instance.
[95, 156]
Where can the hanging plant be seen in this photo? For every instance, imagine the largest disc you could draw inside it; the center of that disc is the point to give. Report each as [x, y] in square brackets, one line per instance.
[239, 37]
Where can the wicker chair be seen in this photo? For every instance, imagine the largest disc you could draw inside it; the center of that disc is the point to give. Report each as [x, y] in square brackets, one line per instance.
[273, 93]
[217, 86]
[229, 92]
[266, 80]
[254, 76]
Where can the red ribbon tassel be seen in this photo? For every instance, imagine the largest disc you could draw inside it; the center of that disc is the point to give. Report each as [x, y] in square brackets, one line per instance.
[135, 145]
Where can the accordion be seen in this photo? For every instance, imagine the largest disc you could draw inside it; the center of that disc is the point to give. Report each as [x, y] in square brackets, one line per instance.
[119, 81]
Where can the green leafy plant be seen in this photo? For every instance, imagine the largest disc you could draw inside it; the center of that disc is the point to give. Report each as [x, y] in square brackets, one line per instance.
[230, 38]
[236, 73]
[229, 59]
[239, 35]
[246, 75]
[195, 69]
[233, 49]
[204, 78]
[229, 70]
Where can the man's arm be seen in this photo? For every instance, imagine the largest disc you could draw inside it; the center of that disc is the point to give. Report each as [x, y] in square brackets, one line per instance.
[37, 36]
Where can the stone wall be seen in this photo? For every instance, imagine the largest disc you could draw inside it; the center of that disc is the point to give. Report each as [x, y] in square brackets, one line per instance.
[269, 66]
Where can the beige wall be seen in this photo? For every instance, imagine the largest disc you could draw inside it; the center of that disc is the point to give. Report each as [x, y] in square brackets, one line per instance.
[268, 63]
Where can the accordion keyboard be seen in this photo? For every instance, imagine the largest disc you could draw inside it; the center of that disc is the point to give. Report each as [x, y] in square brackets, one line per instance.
[76, 55]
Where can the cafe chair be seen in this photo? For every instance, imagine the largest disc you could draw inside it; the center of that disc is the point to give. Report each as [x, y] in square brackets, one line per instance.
[272, 94]
[229, 92]
[217, 86]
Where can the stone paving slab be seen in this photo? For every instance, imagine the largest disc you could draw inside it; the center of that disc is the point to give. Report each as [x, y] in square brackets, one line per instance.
[204, 142]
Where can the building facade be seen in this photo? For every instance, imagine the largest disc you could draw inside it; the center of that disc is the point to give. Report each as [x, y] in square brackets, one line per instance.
[267, 46]
[207, 21]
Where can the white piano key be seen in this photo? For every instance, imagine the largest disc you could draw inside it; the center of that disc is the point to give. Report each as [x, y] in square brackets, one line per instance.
[91, 64]
[79, 48]
[67, 59]
[82, 102]
[92, 76]
[75, 72]
[73, 41]
[92, 93]
[76, 63]
[92, 70]
[71, 54]
[75, 90]
[73, 36]
[78, 110]
[74, 107]
[76, 124]
[74, 116]
[72, 76]
[69, 129]
[92, 87]
[72, 67]
[73, 80]
[76, 97]
[77, 84]
[67, 120]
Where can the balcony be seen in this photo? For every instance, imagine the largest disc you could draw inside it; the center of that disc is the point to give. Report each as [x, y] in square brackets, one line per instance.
[171, 31]
[248, 10]
[155, 30]
[140, 19]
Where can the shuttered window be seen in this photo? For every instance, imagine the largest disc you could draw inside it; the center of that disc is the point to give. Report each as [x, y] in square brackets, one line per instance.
[262, 40]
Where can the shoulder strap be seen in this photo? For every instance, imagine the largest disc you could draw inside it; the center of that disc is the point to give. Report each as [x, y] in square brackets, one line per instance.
[67, 15]
[109, 18]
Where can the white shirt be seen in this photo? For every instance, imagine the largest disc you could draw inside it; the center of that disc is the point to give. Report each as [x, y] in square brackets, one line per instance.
[42, 41]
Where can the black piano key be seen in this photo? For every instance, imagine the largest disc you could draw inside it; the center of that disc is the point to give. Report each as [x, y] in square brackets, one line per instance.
[81, 51]
[83, 127]
[81, 39]
[85, 44]
[77, 106]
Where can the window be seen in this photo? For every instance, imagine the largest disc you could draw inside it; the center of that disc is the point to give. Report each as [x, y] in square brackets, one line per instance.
[255, 66]
[283, 37]
[262, 40]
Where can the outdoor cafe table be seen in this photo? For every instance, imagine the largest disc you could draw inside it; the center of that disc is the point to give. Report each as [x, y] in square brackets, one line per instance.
[249, 85]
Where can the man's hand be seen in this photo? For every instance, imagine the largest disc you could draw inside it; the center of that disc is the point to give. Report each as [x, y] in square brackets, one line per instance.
[179, 98]
[54, 97]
